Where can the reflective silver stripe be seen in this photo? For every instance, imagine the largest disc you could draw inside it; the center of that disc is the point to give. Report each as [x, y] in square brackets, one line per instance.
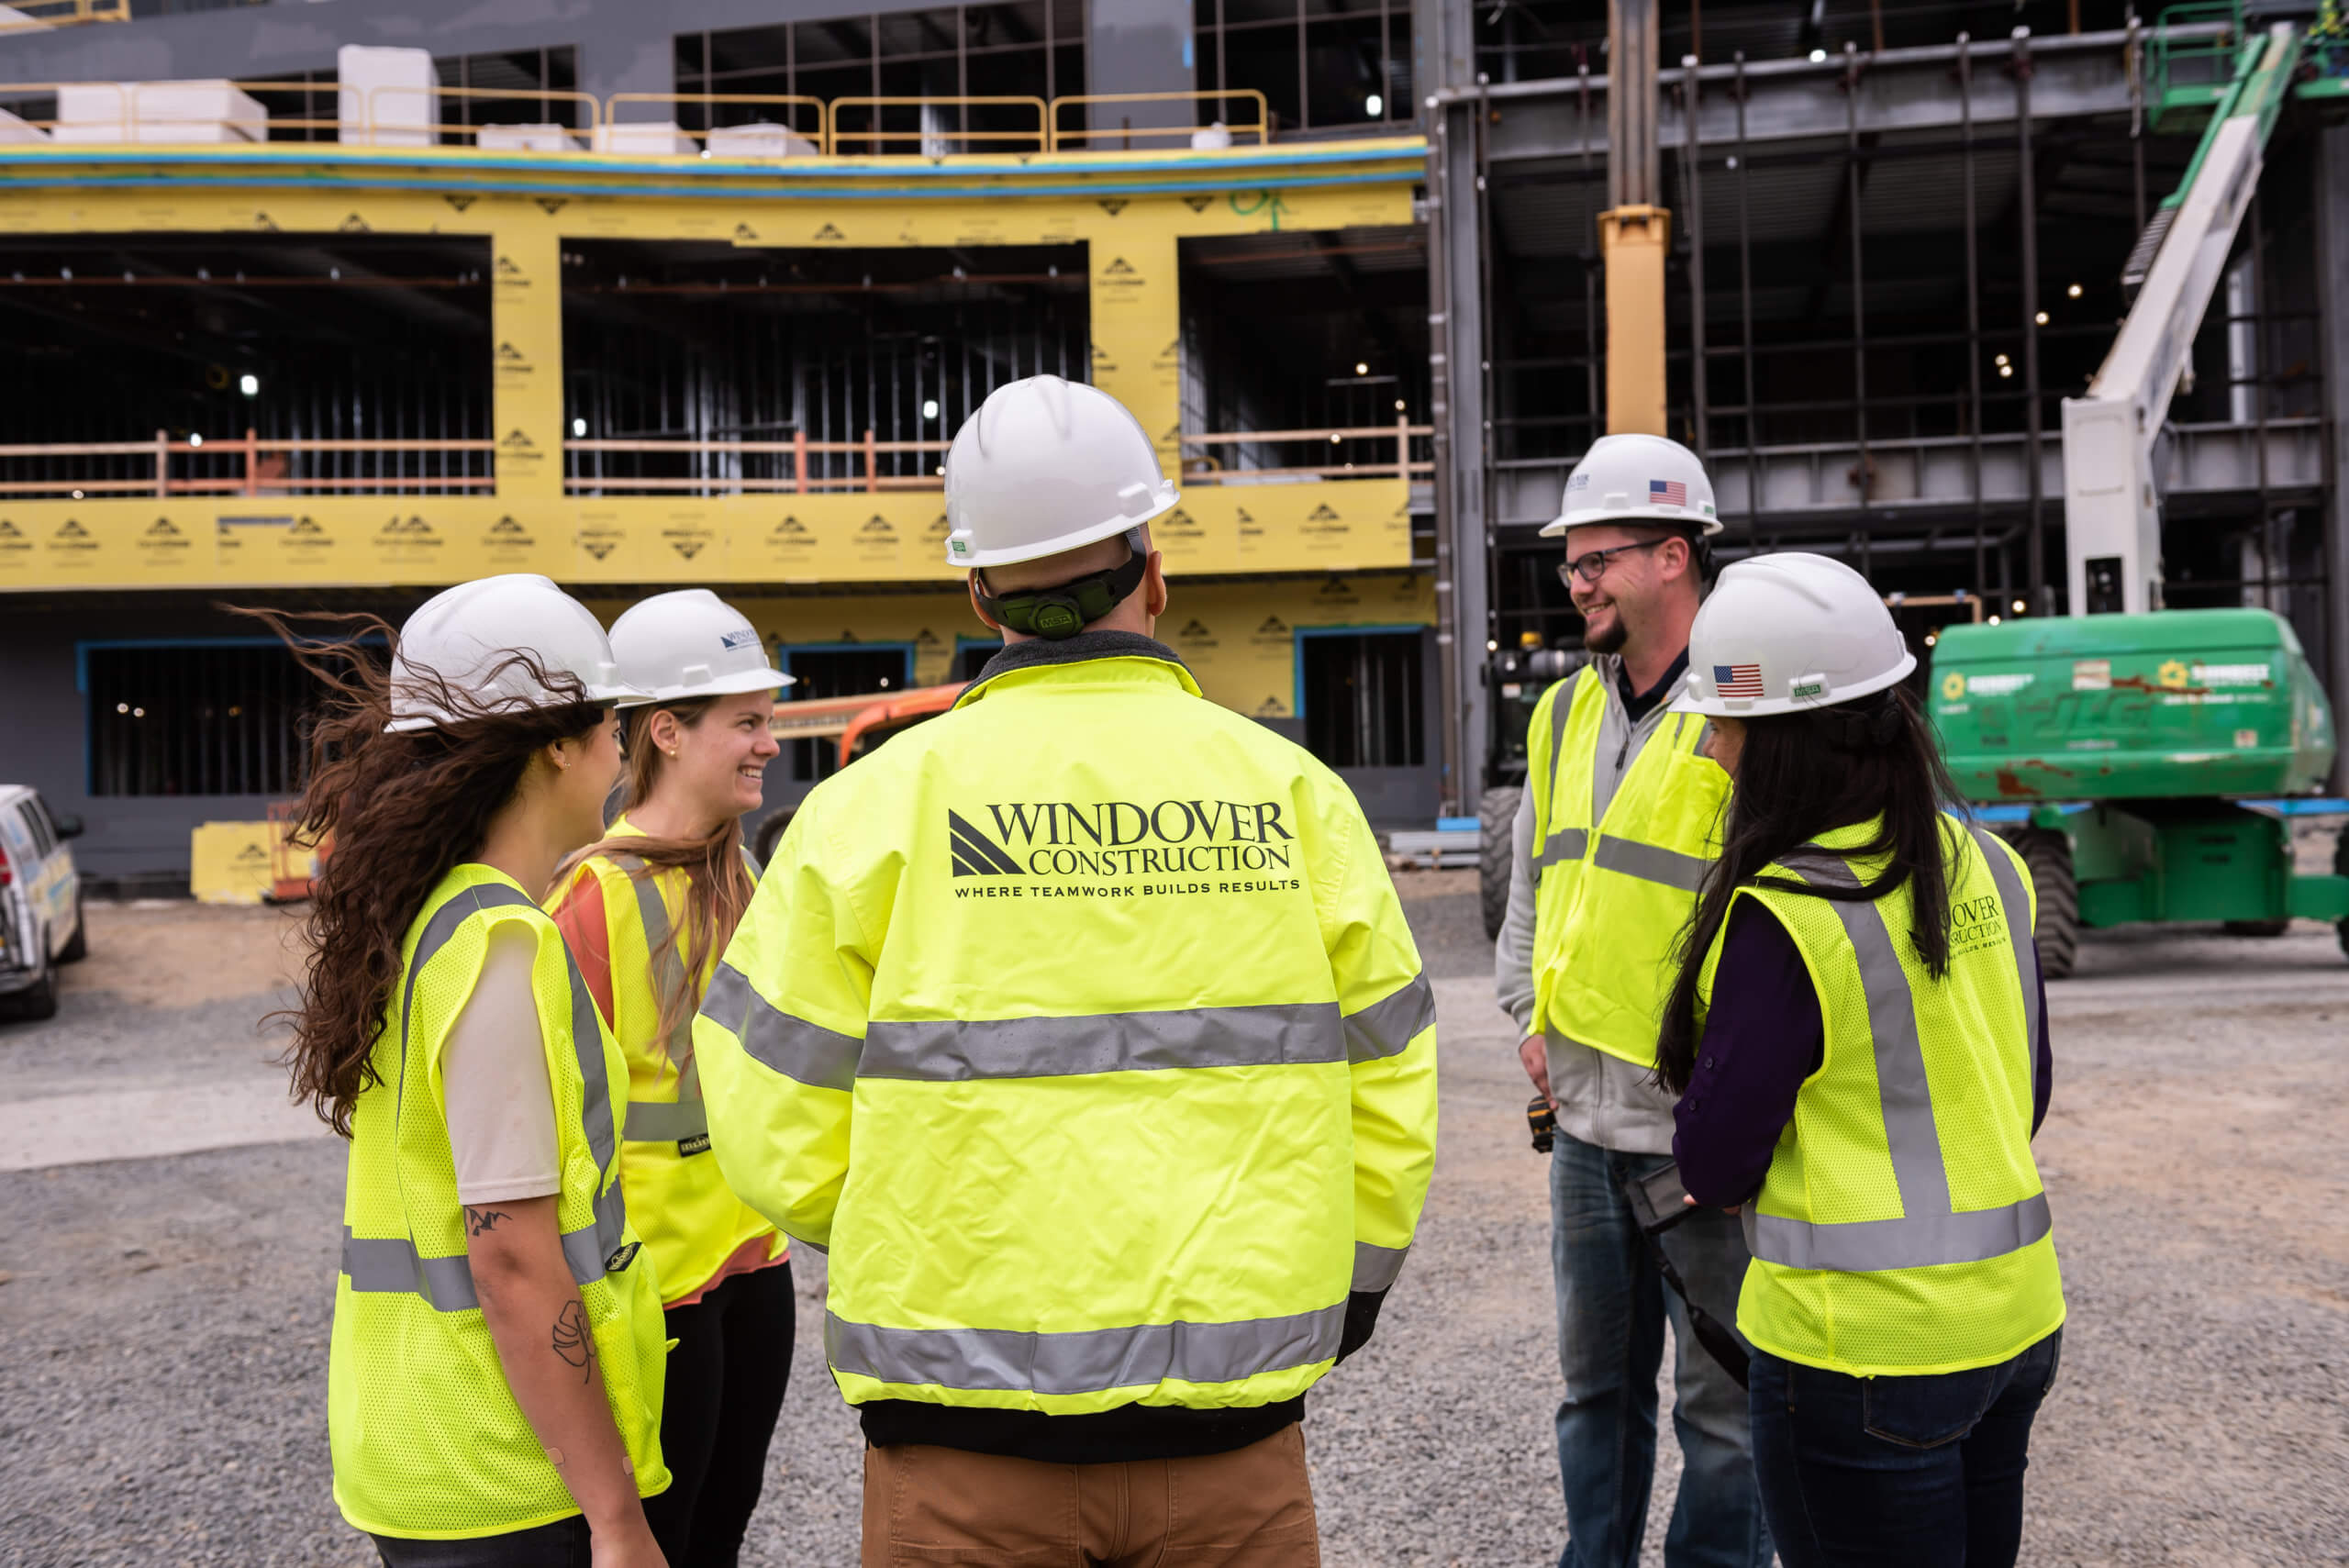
[1650, 862]
[1386, 1028]
[668, 969]
[1905, 1096]
[1376, 1268]
[1867, 1246]
[1086, 1361]
[958, 1050]
[667, 1121]
[392, 1263]
[447, 1283]
[808, 1052]
[2019, 936]
[1565, 844]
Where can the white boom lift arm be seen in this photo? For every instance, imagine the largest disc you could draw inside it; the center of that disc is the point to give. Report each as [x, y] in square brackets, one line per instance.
[2112, 504]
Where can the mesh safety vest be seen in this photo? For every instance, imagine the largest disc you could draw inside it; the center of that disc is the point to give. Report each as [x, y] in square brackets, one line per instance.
[1083, 1025]
[1903, 1229]
[677, 1198]
[428, 1440]
[1614, 889]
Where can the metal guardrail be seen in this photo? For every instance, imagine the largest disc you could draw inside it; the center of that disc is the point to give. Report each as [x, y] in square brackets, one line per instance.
[1262, 130]
[40, 15]
[1207, 470]
[802, 479]
[251, 455]
[595, 124]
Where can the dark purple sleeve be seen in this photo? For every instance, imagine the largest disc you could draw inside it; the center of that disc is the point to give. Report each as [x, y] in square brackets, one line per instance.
[2044, 1079]
[1763, 1037]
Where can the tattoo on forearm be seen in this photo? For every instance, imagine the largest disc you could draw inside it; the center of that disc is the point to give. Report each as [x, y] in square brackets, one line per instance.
[482, 1221]
[574, 1341]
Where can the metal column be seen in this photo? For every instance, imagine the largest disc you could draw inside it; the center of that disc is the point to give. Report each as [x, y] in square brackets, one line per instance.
[1456, 375]
[2332, 283]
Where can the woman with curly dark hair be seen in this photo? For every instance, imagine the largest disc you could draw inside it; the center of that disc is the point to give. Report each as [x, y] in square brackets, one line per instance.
[494, 1390]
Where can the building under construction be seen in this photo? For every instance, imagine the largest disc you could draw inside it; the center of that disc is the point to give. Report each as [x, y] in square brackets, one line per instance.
[333, 316]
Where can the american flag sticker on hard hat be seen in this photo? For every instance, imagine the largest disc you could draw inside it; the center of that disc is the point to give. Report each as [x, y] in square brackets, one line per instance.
[1738, 680]
[1667, 493]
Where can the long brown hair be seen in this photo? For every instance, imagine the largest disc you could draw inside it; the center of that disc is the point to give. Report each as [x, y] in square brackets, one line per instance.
[717, 883]
[403, 809]
[1801, 774]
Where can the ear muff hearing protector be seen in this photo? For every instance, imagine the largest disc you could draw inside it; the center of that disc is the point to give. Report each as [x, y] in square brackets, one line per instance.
[1065, 610]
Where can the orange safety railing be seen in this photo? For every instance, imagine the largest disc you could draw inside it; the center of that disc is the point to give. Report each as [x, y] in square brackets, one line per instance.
[383, 120]
[1037, 139]
[1261, 128]
[590, 111]
[799, 482]
[1208, 470]
[253, 457]
[39, 16]
[709, 102]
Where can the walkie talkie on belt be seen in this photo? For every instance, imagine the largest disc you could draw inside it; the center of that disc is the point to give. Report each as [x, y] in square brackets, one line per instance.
[1543, 1122]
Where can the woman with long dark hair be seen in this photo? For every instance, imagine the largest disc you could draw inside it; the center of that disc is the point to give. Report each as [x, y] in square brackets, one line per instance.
[494, 1391]
[1857, 1034]
[648, 909]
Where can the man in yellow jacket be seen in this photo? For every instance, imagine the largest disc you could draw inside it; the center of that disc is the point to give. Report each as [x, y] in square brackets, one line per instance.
[1082, 1027]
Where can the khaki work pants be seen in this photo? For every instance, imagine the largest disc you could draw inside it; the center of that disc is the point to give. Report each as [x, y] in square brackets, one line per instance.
[1250, 1509]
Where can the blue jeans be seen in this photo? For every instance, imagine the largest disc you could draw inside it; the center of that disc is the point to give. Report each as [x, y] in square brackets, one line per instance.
[1915, 1472]
[1612, 1305]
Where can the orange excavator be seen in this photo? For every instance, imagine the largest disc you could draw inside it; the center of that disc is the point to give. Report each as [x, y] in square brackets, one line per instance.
[857, 724]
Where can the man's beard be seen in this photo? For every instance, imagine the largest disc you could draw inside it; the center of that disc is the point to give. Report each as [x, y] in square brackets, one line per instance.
[1611, 640]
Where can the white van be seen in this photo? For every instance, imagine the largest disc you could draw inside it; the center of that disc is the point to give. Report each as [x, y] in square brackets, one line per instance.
[40, 901]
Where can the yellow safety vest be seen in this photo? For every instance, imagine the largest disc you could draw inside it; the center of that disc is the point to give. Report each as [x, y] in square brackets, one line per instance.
[428, 1440]
[1083, 1025]
[1903, 1229]
[1614, 887]
[690, 1219]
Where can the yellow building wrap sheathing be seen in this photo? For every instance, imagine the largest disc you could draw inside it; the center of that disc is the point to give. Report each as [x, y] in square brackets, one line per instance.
[1129, 211]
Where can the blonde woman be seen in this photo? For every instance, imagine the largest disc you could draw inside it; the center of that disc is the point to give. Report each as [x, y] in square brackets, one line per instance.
[648, 910]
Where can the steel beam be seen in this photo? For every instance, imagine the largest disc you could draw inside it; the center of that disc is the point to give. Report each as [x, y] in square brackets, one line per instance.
[2204, 466]
[1901, 90]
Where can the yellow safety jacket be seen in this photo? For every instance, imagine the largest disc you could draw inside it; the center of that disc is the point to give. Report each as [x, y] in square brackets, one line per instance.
[1903, 1229]
[428, 1440]
[690, 1219]
[1083, 1025]
[1616, 872]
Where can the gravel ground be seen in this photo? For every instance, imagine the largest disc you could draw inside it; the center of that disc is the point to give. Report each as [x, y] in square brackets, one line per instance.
[162, 1337]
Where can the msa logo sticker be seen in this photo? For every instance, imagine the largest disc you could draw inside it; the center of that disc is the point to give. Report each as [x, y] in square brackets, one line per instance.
[623, 1256]
[746, 638]
[697, 1144]
[976, 854]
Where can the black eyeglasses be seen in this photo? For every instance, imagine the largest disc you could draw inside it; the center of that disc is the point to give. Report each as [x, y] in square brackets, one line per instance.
[1591, 567]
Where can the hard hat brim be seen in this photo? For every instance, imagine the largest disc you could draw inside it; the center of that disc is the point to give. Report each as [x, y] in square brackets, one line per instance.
[616, 694]
[1557, 526]
[1770, 707]
[1062, 544]
[734, 685]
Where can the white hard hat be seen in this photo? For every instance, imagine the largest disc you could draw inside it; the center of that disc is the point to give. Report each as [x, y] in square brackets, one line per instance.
[1045, 466]
[692, 643]
[1784, 633]
[1637, 479]
[466, 638]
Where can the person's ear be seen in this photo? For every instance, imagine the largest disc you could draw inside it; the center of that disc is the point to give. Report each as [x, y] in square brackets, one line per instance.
[1153, 585]
[1675, 557]
[979, 610]
[664, 730]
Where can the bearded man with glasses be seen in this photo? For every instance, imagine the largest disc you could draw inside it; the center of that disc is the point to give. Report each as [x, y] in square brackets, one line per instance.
[1619, 823]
